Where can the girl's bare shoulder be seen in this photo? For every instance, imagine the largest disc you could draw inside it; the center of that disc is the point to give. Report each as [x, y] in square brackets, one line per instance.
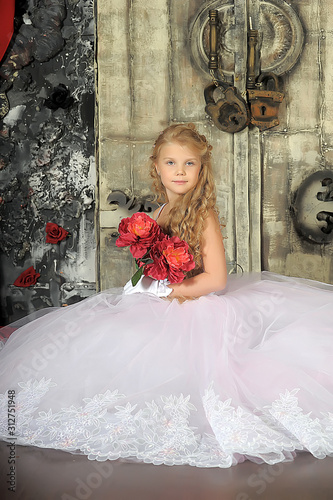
[212, 219]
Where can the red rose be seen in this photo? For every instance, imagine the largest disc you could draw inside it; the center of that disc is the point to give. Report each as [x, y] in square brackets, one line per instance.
[171, 260]
[27, 278]
[55, 233]
[138, 232]
[6, 331]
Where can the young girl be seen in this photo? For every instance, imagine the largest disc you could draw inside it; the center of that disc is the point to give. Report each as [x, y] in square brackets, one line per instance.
[244, 371]
[182, 173]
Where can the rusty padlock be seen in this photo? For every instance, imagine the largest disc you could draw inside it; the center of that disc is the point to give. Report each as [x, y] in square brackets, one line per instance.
[231, 113]
[264, 104]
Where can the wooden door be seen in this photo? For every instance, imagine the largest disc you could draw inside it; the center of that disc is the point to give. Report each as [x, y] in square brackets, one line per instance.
[149, 74]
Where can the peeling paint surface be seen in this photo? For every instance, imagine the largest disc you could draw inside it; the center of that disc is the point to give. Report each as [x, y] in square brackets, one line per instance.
[47, 163]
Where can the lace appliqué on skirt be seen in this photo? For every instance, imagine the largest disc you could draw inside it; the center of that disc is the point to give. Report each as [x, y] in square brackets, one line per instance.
[160, 432]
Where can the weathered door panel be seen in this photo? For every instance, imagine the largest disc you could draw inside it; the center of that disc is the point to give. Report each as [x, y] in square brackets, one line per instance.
[148, 77]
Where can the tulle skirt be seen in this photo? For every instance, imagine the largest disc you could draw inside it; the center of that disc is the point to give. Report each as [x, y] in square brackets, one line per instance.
[246, 373]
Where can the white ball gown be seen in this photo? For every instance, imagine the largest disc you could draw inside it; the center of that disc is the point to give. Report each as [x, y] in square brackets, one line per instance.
[246, 373]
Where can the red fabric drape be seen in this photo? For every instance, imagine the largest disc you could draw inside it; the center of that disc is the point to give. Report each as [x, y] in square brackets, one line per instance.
[7, 11]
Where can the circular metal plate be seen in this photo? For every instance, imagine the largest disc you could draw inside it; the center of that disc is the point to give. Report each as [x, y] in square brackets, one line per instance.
[313, 207]
[281, 32]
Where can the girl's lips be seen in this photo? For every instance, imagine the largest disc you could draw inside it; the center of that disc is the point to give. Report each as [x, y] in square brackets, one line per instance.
[179, 182]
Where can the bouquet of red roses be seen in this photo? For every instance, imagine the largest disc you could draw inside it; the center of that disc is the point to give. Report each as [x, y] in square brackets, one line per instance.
[157, 255]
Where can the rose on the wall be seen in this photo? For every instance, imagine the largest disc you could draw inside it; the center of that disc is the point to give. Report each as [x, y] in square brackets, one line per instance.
[55, 233]
[29, 277]
[59, 98]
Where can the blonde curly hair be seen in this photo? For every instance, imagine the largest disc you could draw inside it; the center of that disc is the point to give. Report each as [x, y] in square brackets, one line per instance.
[186, 219]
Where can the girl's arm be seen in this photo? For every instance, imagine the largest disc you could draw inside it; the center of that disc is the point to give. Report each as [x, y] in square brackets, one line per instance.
[214, 277]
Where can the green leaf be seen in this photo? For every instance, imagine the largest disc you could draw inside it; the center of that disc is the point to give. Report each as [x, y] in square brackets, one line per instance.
[146, 254]
[135, 278]
[147, 260]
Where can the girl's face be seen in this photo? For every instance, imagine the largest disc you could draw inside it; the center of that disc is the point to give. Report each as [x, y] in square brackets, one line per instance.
[179, 168]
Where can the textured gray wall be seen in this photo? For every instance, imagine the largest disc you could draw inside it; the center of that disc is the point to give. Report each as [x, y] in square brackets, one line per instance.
[303, 144]
[47, 156]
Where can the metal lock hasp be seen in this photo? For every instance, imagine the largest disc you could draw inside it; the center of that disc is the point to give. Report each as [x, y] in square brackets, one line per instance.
[231, 113]
[264, 104]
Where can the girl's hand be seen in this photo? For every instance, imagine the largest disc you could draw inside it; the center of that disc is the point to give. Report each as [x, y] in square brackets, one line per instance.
[148, 285]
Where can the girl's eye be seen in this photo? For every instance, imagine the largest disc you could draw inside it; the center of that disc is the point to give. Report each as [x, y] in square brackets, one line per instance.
[190, 163]
[169, 162]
